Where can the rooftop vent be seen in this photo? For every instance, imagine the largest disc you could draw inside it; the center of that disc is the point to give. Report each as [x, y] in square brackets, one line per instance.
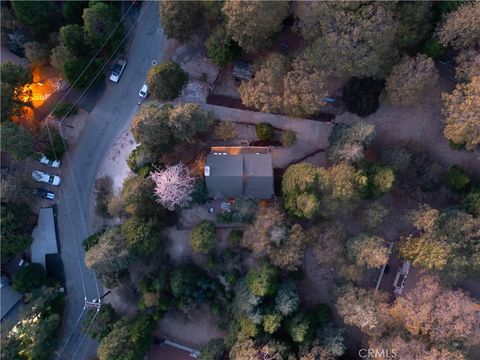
[207, 170]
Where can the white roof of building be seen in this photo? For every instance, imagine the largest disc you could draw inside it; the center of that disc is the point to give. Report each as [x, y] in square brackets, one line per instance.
[44, 236]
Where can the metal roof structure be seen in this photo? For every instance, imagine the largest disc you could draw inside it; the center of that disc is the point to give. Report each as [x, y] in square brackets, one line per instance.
[232, 174]
[44, 236]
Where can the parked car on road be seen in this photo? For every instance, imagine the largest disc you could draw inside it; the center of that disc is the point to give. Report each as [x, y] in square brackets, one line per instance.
[47, 161]
[117, 70]
[41, 176]
[44, 194]
[143, 93]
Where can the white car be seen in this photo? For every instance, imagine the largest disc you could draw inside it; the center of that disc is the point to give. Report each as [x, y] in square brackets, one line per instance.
[41, 176]
[143, 93]
[117, 70]
[47, 161]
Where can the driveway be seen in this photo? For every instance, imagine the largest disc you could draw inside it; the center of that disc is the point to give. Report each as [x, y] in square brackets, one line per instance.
[106, 122]
[311, 135]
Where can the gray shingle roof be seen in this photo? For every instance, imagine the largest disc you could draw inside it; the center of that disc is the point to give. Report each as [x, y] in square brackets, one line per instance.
[240, 175]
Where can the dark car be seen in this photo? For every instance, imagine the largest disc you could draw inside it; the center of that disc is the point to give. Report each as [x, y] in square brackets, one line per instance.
[44, 194]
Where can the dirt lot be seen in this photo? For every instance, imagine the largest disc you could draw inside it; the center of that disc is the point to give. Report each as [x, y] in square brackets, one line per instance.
[419, 127]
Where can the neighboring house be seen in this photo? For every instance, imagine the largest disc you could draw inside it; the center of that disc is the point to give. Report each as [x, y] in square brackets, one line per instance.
[9, 297]
[236, 171]
[44, 237]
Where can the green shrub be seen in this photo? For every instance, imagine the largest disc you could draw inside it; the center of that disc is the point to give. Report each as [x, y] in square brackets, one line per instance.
[103, 193]
[456, 179]
[29, 277]
[203, 237]
[381, 179]
[64, 109]
[455, 146]
[199, 194]
[234, 237]
[56, 146]
[221, 49]
[166, 80]
[471, 201]
[288, 138]
[361, 95]
[92, 240]
[264, 131]
[433, 49]
[320, 315]
[145, 170]
[213, 350]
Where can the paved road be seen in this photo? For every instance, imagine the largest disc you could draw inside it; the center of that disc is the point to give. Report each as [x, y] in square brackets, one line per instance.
[110, 117]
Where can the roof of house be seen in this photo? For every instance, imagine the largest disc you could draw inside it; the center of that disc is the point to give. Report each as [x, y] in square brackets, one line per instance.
[243, 174]
[9, 297]
[44, 236]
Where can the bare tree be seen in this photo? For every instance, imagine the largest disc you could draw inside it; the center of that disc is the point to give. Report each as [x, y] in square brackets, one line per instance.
[173, 186]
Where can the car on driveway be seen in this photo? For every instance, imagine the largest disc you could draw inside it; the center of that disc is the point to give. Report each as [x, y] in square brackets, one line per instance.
[47, 161]
[41, 176]
[143, 93]
[44, 194]
[117, 70]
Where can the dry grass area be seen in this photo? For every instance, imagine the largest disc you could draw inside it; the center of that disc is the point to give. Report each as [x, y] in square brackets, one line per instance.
[419, 127]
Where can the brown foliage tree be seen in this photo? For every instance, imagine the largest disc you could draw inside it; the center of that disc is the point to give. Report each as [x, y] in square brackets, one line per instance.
[461, 28]
[411, 80]
[265, 91]
[443, 315]
[468, 65]
[357, 38]
[251, 23]
[460, 111]
[359, 307]
[447, 242]
[269, 235]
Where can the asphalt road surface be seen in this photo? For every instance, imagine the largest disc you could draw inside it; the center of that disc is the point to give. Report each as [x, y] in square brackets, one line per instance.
[110, 117]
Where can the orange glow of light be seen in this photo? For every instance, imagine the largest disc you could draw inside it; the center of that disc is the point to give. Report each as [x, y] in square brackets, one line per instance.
[37, 93]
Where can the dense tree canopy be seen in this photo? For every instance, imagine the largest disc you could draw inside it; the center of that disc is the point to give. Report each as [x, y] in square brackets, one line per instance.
[368, 251]
[150, 127]
[461, 28]
[460, 111]
[269, 235]
[297, 89]
[110, 256]
[252, 23]
[29, 277]
[369, 28]
[103, 323]
[448, 242]
[36, 15]
[358, 307]
[129, 339]
[143, 236]
[102, 26]
[14, 97]
[179, 18]
[447, 317]
[14, 230]
[16, 140]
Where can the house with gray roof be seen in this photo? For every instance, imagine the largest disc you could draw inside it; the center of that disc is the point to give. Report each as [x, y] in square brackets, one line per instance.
[237, 171]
